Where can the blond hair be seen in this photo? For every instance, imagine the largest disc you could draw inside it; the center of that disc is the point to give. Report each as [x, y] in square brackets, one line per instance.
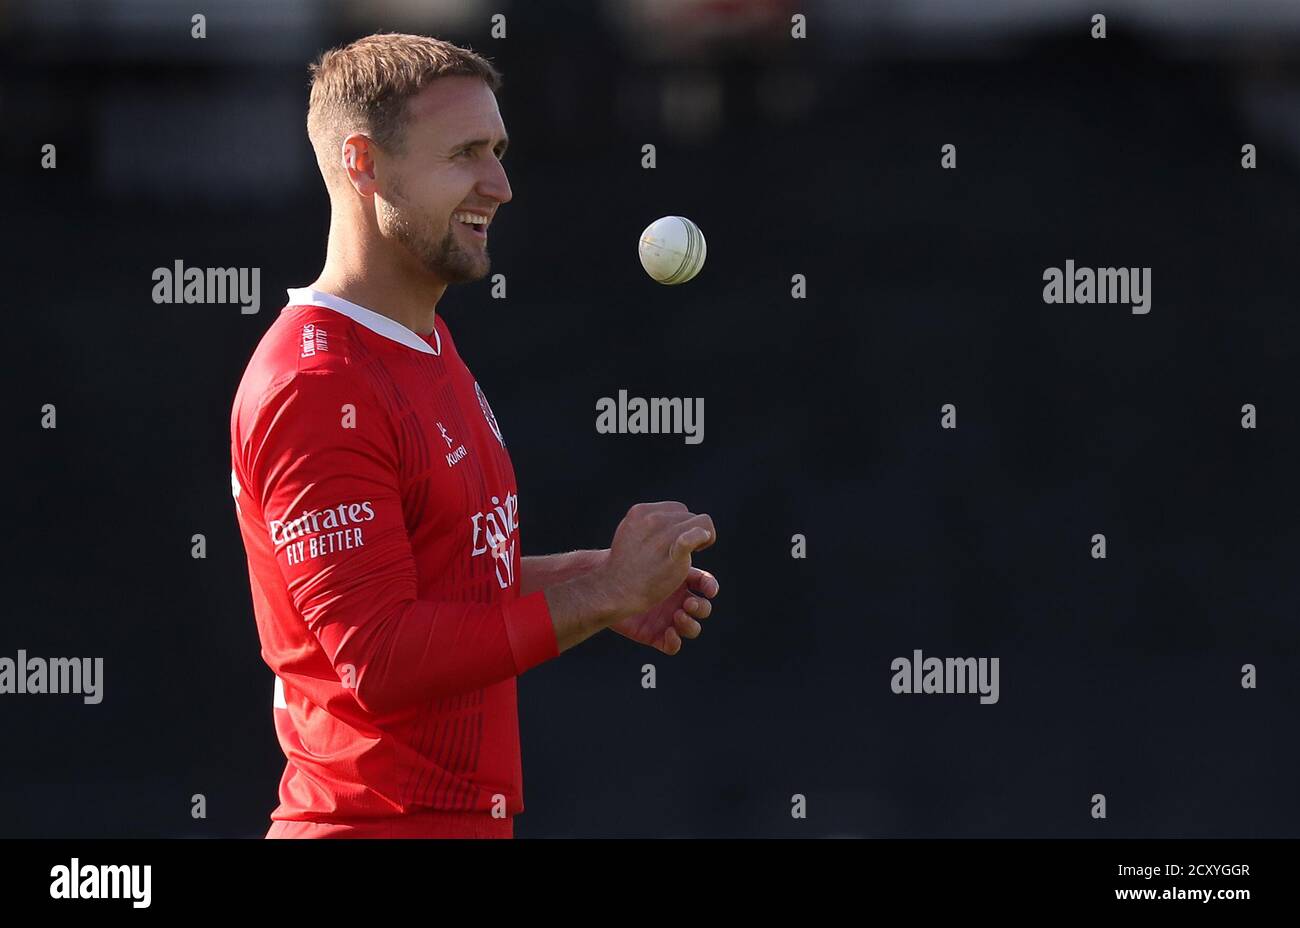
[364, 87]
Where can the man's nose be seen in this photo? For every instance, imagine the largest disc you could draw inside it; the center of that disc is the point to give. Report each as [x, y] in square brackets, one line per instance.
[495, 184]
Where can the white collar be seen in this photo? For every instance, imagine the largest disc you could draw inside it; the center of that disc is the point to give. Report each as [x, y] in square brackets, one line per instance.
[375, 322]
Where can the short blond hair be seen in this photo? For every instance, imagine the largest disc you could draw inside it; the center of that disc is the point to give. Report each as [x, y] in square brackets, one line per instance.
[364, 87]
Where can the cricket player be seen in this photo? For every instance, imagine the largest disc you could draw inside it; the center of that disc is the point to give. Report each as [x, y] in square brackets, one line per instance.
[375, 493]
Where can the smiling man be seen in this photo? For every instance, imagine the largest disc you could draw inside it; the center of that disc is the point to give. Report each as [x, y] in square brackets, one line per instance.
[375, 496]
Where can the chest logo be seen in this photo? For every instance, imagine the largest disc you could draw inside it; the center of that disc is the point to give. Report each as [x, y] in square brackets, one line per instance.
[453, 457]
[487, 414]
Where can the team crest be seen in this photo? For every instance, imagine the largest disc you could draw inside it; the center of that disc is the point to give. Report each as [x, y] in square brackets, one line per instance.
[487, 414]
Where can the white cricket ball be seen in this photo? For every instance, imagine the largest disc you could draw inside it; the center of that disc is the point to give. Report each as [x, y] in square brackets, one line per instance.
[672, 249]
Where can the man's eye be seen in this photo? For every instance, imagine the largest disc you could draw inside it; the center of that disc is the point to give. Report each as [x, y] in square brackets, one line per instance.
[465, 151]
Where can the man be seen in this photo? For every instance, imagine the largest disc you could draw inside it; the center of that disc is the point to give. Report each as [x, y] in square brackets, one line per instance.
[375, 495]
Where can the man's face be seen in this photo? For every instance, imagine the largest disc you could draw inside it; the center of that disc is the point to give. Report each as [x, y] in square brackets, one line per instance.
[448, 171]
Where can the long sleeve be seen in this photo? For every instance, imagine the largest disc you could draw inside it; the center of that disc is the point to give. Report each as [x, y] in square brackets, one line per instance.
[322, 456]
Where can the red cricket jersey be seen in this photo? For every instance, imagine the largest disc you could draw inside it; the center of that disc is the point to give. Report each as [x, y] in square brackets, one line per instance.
[380, 516]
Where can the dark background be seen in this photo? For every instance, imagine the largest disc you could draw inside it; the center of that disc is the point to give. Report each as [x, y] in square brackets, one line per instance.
[821, 157]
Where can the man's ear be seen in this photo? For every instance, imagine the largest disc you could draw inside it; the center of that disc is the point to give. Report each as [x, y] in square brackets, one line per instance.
[358, 161]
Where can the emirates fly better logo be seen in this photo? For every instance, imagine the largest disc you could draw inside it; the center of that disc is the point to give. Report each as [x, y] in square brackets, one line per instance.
[314, 339]
[322, 531]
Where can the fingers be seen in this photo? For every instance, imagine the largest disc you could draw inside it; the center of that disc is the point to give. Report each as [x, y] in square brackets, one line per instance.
[702, 582]
[685, 626]
[694, 534]
[671, 507]
[692, 539]
[696, 607]
[704, 521]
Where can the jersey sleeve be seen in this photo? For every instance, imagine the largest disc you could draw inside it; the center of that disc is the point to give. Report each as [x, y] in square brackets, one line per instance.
[324, 463]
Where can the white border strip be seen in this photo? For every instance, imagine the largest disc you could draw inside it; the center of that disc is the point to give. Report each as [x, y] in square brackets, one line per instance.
[375, 322]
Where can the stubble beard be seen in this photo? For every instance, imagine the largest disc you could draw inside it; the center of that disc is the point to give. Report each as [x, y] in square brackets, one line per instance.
[443, 256]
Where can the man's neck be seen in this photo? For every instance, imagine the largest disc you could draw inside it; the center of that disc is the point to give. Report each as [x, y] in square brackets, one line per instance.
[407, 295]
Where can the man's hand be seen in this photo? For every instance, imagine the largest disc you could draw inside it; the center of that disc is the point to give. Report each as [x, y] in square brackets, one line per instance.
[642, 583]
[663, 626]
[651, 553]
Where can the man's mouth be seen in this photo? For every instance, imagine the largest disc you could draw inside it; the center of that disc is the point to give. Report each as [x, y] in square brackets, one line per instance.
[476, 223]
